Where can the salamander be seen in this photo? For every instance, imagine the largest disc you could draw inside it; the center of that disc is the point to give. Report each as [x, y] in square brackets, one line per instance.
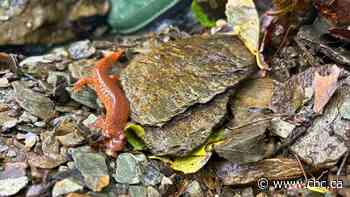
[113, 99]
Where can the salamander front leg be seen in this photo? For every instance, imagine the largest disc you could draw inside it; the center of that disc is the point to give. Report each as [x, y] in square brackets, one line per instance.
[83, 82]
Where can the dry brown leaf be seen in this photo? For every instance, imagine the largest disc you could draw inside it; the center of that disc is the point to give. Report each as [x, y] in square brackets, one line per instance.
[324, 87]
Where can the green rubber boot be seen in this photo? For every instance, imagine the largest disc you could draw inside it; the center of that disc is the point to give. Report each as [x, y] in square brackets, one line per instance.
[128, 16]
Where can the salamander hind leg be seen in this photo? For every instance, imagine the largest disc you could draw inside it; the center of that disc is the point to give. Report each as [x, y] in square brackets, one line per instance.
[100, 122]
[115, 144]
[83, 82]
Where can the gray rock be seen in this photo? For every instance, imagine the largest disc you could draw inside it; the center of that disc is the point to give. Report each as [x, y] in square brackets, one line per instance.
[187, 131]
[54, 77]
[151, 176]
[345, 111]
[4, 83]
[91, 119]
[93, 168]
[36, 190]
[231, 173]
[11, 186]
[44, 161]
[5, 118]
[13, 178]
[245, 132]
[281, 128]
[41, 21]
[9, 9]
[129, 168]
[27, 117]
[65, 186]
[194, 189]
[177, 75]
[81, 49]
[9, 124]
[68, 133]
[152, 192]
[137, 191]
[82, 68]
[85, 96]
[324, 144]
[41, 124]
[30, 139]
[6, 95]
[33, 102]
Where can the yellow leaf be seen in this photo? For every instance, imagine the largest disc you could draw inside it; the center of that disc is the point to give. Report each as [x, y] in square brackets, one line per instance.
[318, 189]
[244, 18]
[197, 159]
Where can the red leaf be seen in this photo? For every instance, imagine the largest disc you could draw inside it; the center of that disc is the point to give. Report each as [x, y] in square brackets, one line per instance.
[324, 87]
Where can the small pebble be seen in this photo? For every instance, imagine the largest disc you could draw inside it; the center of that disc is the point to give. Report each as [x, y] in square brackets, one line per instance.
[11, 153]
[4, 83]
[9, 124]
[40, 124]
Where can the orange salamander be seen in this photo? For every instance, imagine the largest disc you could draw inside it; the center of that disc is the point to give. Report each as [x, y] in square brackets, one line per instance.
[114, 100]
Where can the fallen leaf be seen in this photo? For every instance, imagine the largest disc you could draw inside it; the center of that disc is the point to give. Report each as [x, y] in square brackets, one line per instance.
[135, 135]
[197, 159]
[244, 18]
[324, 87]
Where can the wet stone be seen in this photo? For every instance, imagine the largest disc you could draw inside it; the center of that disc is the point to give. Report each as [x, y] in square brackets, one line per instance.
[194, 190]
[33, 102]
[68, 132]
[4, 83]
[93, 168]
[180, 74]
[27, 117]
[40, 124]
[91, 119]
[5, 117]
[281, 128]
[65, 186]
[54, 24]
[245, 133]
[45, 162]
[81, 68]
[11, 186]
[30, 139]
[187, 131]
[345, 111]
[137, 191]
[85, 97]
[13, 179]
[6, 95]
[81, 49]
[129, 168]
[9, 9]
[36, 190]
[151, 191]
[323, 145]
[152, 175]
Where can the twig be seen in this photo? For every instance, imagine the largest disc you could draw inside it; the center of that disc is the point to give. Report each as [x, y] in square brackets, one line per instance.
[301, 166]
[343, 163]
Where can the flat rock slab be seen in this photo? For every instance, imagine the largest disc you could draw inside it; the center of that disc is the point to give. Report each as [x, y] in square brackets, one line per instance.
[324, 142]
[189, 130]
[93, 168]
[245, 138]
[34, 102]
[173, 77]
